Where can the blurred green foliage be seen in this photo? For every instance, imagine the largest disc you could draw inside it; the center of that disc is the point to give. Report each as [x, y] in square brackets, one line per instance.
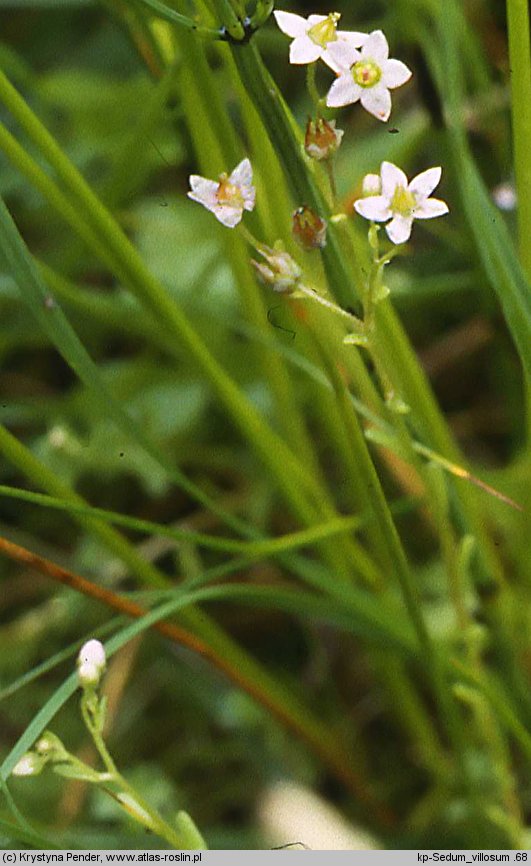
[188, 737]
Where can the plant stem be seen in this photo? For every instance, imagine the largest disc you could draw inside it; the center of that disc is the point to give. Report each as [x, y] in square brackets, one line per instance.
[290, 474]
[182, 21]
[311, 85]
[518, 22]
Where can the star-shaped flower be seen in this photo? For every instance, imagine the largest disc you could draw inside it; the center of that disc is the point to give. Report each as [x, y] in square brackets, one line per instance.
[367, 75]
[228, 197]
[402, 202]
[313, 36]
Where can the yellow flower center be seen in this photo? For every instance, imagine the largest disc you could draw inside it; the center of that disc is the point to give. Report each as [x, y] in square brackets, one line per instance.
[366, 73]
[325, 31]
[229, 193]
[403, 201]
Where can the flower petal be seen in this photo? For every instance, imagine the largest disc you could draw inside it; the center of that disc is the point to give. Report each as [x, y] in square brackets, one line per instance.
[343, 54]
[242, 174]
[392, 176]
[374, 207]
[399, 229]
[304, 50]
[353, 37]
[377, 101]
[203, 190]
[249, 197]
[423, 184]
[344, 91]
[375, 47]
[431, 207]
[315, 19]
[395, 73]
[326, 58]
[290, 24]
[228, 215]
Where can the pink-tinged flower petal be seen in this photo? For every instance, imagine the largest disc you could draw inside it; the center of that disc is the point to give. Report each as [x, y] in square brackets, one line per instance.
[344, 91]
[431, 207]
[249, 197]
[377, 101]
[374, 207]
[423, 184]
[376, 47]
[290, 24]
[229, 216]
[392, 176]
[343, 54]
[304, 50]
[353, 37]
[395, 73]
[242, 174]
[399, 229]
[203, 190]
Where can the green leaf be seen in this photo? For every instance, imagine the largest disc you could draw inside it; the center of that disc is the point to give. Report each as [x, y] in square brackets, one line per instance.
[496, 251]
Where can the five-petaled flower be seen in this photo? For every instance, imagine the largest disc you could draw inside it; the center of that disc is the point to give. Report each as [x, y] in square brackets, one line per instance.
[367, 75]
[228, 197]
[313, 36]
[402, 202]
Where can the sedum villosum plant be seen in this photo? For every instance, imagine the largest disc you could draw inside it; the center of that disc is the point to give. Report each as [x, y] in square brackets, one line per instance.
[50, 751]
[333, 491]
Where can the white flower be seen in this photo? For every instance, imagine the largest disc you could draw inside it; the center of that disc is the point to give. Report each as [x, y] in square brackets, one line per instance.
[29, 765]
[92, 652]
[367, 75]
[313, 36]
[402, 202]
[91, 663]
[228, 197]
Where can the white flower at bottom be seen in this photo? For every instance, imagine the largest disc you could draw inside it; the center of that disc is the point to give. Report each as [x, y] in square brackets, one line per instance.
[29, 765]
[91, 663]
[367, 75]
[228, 197]
[313, 36]
[402, 202]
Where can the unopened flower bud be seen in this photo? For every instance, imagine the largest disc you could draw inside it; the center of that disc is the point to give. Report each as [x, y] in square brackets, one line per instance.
[89, 674]
[30, 764]
[504, 196]
[322, 139]
[309, 229]
[372, 185]
[91, 663]
[51, 747]
[281, 272]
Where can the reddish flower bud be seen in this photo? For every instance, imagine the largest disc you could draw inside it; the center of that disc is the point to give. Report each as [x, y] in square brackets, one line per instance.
[309, 229]
[322, 139]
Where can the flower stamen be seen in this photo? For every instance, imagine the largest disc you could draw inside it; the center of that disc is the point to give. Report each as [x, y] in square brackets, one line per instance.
[403, 201]
[228, 193]
[325, 31]
[366, 73]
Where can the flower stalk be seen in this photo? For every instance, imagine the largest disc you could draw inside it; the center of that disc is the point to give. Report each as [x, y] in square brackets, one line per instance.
[518, 20]
[50, 750]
